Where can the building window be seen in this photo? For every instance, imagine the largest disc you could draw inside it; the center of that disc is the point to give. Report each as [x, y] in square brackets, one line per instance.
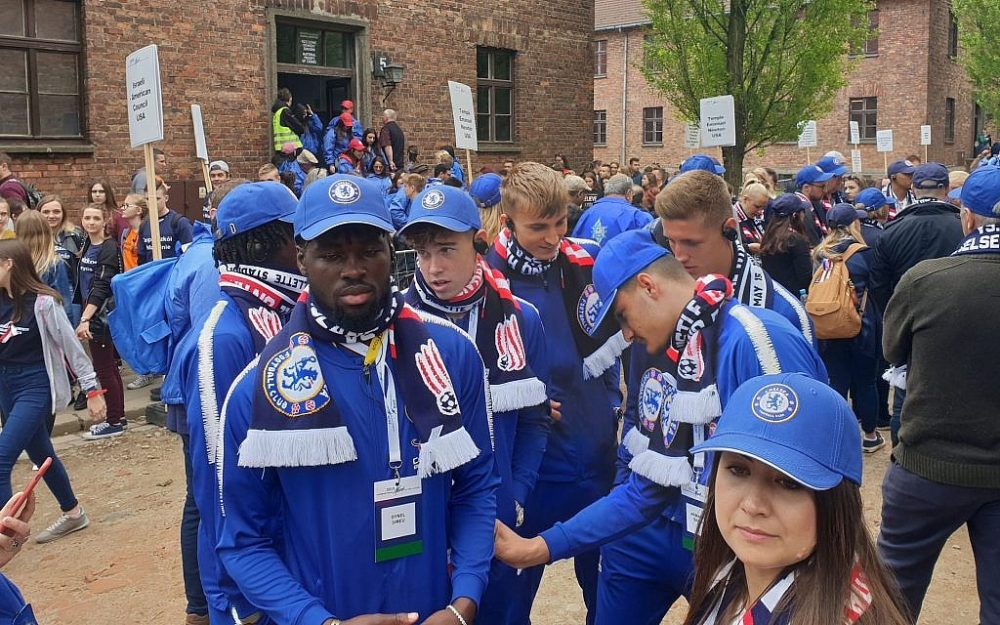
[949, 120]
[495, 94]
[311, 45]
[865, 112]
[648, 60]
[601, 57]
[600, 127]
[952, 34]
[870, 46]
[40, 85]
[652, 125]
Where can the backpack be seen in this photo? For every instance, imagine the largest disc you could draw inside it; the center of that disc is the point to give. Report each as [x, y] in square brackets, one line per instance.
[832, 302]
[34, 195]
[140, 330]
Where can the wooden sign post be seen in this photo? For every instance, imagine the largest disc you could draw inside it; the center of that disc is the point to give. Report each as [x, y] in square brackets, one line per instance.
[145, 124]
[808, 138]
[925, 139]
[464, 116]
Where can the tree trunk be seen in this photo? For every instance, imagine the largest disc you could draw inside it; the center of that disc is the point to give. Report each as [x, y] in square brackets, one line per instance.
[733, 161]
[736, 37]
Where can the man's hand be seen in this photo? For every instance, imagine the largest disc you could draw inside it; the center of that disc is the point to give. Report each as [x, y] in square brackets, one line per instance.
[518, 552]
[465, 607]
[554, 410]
[402, 618]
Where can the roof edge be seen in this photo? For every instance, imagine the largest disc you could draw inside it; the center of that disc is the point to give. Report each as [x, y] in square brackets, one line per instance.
[600, 29]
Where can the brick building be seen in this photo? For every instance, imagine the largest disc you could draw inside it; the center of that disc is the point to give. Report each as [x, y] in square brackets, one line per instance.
[62, 108]
[907, 77]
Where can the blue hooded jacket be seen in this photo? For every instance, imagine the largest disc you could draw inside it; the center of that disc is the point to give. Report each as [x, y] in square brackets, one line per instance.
[334, 144]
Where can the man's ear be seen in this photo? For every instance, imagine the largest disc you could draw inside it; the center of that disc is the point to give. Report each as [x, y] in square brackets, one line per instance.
[646, 283]
[300, 255]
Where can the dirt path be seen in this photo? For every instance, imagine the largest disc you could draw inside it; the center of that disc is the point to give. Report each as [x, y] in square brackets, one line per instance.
[125, 568]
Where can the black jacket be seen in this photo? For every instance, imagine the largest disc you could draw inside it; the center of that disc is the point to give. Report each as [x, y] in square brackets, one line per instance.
[288, 119]
[927, 229]
[109, 264]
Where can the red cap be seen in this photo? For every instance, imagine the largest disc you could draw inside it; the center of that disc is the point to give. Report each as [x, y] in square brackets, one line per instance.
[355, 144]
[347, 105]
[346, 119]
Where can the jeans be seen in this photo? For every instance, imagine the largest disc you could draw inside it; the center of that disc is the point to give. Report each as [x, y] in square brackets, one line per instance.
[190, 519]
[852, 371]
[918, 517]
[26, 402]
[898, 397]
[102, 351]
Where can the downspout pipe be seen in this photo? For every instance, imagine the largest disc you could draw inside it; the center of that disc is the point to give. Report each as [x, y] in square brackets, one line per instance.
[624, 148]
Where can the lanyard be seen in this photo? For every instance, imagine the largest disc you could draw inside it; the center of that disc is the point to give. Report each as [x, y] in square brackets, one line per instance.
[375, 354]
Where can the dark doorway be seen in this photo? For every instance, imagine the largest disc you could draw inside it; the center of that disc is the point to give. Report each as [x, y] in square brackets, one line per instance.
[323, 93]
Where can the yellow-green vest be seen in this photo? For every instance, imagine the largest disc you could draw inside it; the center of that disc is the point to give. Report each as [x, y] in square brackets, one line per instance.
[283, 134]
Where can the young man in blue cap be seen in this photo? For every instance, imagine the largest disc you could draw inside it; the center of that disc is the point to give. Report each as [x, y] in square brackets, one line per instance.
[612, 214]
[454, 282]
[900, 187]
[941, 320]
[810, 183]
[555, 274]
[357, 472]
[258, 284]
[876, 207]
[702, 162]
[833, 163]
[699, 350]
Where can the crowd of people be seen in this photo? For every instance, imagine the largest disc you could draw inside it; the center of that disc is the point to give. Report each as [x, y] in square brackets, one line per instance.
[672, 381]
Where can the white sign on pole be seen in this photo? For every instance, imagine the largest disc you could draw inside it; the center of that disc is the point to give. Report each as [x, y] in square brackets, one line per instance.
[200, 149]
[807, 134]
[464, 114]
[692, 136]
[925, 135]
[855, 133]
[142, 89]
[718, 121]
[856, 161]
[883, 140]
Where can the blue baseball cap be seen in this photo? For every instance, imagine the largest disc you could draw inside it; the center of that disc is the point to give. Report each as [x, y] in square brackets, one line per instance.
[703, 162]
[448, 207]
[955, 194]
[843, 214]
[832, 165]
[900, 167]
[981, 191]
[339, 200]
[785, 205]
[930, 176]
[873, 199]
[486, 189]
[811, 174]
[253, 204]
[794, 424]
[618, 261]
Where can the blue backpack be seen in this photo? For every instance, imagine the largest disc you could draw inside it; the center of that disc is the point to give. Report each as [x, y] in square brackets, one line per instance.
[139, 324]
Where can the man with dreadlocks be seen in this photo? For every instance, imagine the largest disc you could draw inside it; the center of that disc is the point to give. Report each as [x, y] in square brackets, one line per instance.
[357, 472]
[554, 274]
[700, 345]
[256, 279]
[453, 281]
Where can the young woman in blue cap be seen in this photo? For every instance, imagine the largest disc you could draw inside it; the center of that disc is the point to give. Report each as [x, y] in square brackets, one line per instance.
[783, 536]
[784, 246]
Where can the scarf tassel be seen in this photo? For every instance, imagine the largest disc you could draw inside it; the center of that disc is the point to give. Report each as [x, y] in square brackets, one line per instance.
[297, 448]
[666, 471]
[635, 441]
[896, 376]
[518, 394]
[442, 453]
[697, 407]
[605, 357]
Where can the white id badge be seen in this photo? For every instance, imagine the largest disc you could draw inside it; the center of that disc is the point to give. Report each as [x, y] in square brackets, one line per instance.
[398, 533]
[694, 494]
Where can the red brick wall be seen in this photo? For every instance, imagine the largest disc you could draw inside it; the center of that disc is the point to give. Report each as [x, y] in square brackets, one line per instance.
[219, 58]
[911, 76]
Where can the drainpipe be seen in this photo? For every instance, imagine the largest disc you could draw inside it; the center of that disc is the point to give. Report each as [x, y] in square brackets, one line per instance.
[622, 157]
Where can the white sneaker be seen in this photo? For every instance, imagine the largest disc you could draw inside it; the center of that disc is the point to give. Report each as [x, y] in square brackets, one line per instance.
[142, 381]
[64, 525]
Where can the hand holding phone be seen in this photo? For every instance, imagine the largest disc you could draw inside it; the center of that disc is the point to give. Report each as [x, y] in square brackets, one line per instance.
[22, 498]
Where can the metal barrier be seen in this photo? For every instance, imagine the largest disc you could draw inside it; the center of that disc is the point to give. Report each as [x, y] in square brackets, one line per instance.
[404, 267]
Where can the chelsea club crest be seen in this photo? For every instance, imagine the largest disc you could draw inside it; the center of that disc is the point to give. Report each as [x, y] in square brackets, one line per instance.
[655, 395]
[432, 199]
[587, 308]
[775, 403]
[293, 380]
[345, 192]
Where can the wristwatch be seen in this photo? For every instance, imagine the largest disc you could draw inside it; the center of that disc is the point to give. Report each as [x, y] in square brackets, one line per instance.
[84, 319]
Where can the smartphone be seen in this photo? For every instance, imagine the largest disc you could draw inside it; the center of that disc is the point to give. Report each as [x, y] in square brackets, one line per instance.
[27, 493]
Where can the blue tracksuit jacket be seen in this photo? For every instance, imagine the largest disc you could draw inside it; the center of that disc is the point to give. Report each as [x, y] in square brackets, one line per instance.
[609, 217]
[300, 542]
[312, 138]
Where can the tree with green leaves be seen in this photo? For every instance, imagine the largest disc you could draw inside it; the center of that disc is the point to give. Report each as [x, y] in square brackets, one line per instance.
[979, 32]
[781, 60]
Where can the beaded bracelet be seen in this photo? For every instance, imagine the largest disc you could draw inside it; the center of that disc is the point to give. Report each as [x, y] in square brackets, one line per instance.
[458, 615]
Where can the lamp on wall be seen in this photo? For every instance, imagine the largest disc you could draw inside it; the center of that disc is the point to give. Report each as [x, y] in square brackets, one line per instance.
[388, 74]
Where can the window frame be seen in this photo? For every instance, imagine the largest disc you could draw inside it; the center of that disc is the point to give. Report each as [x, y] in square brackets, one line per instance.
[601, 127]
[32, 45]
[950, 111]
[492, 84]
[862, 117]
[649, 119]
[600, 58]
[952, 35]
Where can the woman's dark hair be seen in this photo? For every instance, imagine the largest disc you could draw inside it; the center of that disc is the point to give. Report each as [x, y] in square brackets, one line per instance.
[381, 161]
[822, 581]
[364, 137]
[284, 94]
[412, 153]
[299, 111]
[24, 279]
[110, 204]
[254, 246]
[781, 232]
